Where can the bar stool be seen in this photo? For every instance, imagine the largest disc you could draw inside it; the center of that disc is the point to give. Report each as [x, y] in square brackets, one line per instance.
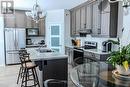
[29, 74]
[24, 53]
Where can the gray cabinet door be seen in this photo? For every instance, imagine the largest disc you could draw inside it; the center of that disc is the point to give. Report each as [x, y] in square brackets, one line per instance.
[73, 25]
[96, 19]
[34, 24]
[9, 21]
[89, 16]
[83, 17]
[105, 24]
[42, 26]
[113, 19]
[28, 22]
[20, 19]
[16, 20]
[78, 21]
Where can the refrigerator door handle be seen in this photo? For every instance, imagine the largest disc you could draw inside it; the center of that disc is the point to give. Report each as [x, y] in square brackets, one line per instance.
[17, 45]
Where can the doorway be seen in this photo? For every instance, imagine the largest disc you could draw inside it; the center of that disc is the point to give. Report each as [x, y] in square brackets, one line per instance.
[56, 38]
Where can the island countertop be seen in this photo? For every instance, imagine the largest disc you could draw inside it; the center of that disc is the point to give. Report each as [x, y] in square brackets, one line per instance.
[36, 56]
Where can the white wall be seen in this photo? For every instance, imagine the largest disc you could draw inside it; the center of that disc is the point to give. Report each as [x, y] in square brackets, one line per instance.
[126, 33]
[2, 54]
[55, 17]
[67, 28]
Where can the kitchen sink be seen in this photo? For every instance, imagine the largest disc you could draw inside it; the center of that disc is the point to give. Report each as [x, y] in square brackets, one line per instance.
[43, 50]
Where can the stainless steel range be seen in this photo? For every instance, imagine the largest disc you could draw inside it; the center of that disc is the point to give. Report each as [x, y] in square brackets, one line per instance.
[78, 52]
[90, 45]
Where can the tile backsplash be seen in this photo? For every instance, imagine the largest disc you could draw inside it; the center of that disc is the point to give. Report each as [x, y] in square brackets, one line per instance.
[99, 40]
[36, 40]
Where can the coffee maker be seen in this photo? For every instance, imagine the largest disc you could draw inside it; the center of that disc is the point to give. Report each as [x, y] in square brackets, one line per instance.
[107, 46]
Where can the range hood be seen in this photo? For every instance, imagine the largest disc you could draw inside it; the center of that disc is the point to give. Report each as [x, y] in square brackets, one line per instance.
[84, 32]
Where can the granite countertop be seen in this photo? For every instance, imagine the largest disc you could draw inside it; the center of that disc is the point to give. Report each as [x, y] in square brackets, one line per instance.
[96, 51]
[36, 56]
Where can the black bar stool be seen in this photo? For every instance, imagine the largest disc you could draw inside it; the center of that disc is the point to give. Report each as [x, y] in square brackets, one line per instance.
[24, 53]
[29, 74]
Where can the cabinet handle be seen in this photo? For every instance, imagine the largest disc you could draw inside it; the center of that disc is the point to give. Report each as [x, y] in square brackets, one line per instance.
[84, 25]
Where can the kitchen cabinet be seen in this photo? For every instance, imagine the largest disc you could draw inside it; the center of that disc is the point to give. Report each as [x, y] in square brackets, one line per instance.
[20, 19]
[113, 19]
[89, 16]
[32, 24]
[53, 69]
[85, 16]
[9, 21]
[41, 26]
[72, 23]
[101, 57]
[78, 21]
[69, 52]
[28, 22]
[109, 18]
[16, 20]
[100, 17]
[96, 19]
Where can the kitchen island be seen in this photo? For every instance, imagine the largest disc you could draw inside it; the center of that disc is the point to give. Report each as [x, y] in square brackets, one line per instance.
[53, 65]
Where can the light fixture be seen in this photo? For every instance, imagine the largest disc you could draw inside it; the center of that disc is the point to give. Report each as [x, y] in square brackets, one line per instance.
[36, 13]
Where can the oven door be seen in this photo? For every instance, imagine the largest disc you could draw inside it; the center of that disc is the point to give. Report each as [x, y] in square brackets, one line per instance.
[78, 56]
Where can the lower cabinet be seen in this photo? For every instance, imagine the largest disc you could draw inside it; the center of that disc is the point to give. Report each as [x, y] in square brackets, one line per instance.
[101, 57]
[53, 69]
[69, 52]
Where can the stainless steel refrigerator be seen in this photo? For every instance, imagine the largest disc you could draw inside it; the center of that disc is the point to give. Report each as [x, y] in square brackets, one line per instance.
[14, 40]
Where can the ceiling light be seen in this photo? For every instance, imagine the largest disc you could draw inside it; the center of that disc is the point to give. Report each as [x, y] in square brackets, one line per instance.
[36, 13]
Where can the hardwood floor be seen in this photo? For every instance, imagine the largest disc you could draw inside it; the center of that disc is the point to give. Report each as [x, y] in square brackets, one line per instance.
[8, 76]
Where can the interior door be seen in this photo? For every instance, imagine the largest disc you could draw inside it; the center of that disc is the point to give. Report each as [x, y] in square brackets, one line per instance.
[55, 37]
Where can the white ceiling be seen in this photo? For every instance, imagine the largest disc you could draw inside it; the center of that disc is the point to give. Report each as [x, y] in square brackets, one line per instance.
[48, 4]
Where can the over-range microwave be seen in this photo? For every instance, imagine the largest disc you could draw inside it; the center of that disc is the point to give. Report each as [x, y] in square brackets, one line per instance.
[32, 31]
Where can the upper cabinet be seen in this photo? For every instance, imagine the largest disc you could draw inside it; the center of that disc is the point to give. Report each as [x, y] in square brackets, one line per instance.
[96, 20]
[99, 17]
[30, 23]
[72, 23]
[77, 20]
[109, 20]
[89, 16]
[41, 26]
[84, 17]
[18, 19]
